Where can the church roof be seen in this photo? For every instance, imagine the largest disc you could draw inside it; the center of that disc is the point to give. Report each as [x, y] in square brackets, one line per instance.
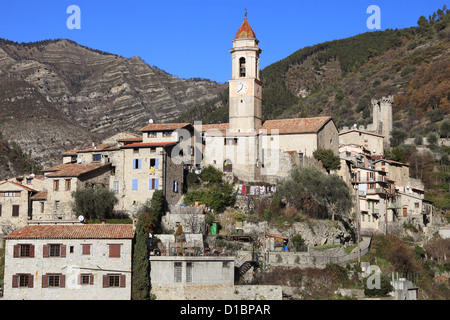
[245, 31]
[296, 125]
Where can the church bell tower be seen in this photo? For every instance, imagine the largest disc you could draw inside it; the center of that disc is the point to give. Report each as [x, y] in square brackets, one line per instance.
[245, 105]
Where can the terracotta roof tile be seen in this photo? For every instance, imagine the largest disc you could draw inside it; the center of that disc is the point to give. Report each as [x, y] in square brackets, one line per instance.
[296, 125]
[73, 169]
[214, 126]
[148, 144]
[100, 147]
[164, 126]
[362, 131]
[20, 185]
[245, 31]
[41, 195]
[83, 231]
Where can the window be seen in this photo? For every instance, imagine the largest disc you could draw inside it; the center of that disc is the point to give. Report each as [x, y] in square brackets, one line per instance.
[153, 184]
[167, 133]
[134, 184]
[42, 206]
[15, 210]
[29, 180]
[177, 271]
[86, 279]
[55, 250]
[116, 186]
[114, 250]
[174, 186]
[242, 67]
[22, 281]
[152, 149]
[10, 194]
[68, 184]
[23, 251]
[152, 134]
[55, 185]
[56, 204]
[154, 163]
[0, 210]
[54, 280]
[86, 249]
[230, 141]
[96, 157]
[136, 163]
[189, 266]
[71, 249]
[114, 281]
[135, 150]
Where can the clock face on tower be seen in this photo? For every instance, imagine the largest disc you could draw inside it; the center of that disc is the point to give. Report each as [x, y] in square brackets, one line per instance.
[241, 88]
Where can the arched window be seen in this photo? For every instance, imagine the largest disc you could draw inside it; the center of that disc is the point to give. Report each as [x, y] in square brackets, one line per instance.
[242, 67]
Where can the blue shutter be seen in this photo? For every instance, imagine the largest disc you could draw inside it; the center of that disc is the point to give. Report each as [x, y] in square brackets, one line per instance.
[134, 184]
[156, 163]
[134, 163]
[139, 164]
[156, 184]
[150, 184]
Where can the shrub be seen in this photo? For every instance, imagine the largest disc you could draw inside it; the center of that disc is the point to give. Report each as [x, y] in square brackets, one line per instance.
[211, 174]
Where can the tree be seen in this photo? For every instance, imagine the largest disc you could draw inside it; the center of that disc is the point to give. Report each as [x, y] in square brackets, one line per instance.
[317, 194]
[432, 139]
[328, 159]
[445, 129]
[211, 174]
[398, 136]
[148, 217]
[94, 203]
[384, 289]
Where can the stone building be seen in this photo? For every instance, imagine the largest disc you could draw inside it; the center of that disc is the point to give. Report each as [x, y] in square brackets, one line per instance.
[69, 261]
[55, 199]
[248, 147]
[15, 205]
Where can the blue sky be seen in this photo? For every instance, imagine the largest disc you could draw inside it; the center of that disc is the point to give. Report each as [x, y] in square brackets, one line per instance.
[191, 38]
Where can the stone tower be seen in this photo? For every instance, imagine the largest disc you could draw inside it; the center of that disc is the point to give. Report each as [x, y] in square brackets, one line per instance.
[245, 106]
[382, 117]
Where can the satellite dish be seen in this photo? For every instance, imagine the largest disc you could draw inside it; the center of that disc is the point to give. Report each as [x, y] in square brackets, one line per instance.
[150, 121]
[80, 218]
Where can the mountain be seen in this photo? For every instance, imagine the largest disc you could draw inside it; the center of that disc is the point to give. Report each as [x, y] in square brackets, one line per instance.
[339, 78]
[57, 94]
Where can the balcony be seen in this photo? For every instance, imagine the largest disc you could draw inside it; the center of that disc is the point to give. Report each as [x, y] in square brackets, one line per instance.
[395, 205]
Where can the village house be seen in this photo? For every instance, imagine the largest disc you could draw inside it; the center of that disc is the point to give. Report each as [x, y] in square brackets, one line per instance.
[69, 261]
[15, 205]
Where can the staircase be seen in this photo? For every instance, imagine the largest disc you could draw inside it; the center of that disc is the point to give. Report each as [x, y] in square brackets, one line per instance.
[244, 268]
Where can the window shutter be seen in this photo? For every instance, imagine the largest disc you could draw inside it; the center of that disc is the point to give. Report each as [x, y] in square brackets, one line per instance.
[16, 249]
[15, 210]
[122, 281]
[62, 281]
[134, 164]
[30, 281]
[91, 278]
[63, 251]
[156, 163]
[156, 184]
[86, 249]
[139, 164]
[0, 210]
[31, 250]
[44, 281]
[105, 281]
[114, 250]
[45, 251]
[15, 280]
[134, 184]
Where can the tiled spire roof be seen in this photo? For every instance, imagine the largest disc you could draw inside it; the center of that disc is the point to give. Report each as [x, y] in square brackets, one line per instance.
[245, 31]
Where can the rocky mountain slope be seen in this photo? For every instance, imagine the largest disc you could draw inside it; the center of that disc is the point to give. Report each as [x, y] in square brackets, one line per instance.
[56, 94]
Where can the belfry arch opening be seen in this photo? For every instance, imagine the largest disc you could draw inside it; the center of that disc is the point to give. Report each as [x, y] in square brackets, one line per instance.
[242, 67]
